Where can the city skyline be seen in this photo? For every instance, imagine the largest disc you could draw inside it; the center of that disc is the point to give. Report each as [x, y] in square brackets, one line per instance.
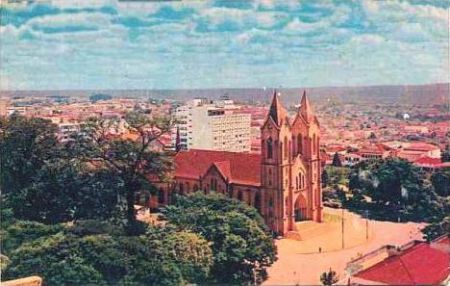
[178, 45]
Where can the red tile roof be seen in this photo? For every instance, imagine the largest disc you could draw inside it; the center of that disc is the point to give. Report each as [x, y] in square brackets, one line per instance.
[239, 168]
[420, 146]
[428, 161]
[422, 264]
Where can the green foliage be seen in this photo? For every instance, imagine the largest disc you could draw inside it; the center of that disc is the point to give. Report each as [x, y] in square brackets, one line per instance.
[41, 182]
[23, 231]
[337, 175]
[324, 178]
[445, 155]
[4, 262]
[25, 146]
[441, 182]
[130, 160]
[59, 193]
[336, 160]
[240, 240]
[396, 189]
[160, 257]
[437, 229]
[329, 278]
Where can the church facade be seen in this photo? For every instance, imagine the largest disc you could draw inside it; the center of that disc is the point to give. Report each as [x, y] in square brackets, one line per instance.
[283, 182]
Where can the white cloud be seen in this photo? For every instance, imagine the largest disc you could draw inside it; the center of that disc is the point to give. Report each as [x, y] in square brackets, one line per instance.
[286, 44]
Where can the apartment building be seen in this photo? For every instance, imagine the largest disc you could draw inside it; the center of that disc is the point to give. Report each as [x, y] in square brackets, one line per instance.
[208, 125]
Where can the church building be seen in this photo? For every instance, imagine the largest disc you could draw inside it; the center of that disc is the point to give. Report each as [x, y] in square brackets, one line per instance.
[283, 182]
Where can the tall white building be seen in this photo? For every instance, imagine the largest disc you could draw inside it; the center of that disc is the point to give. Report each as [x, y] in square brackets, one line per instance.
[213, 126]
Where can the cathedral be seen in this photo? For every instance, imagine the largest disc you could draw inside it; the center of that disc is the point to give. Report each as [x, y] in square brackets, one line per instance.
[283, 182]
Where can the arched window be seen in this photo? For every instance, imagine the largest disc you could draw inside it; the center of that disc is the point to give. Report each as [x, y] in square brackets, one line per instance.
[314, 144]
[181, 189]
[299, 144]
[317, 144]
[258, 201]
[296, 182]
[263, 148]
[286, 147]
[269, 148]
[293, 146]
[240, 195]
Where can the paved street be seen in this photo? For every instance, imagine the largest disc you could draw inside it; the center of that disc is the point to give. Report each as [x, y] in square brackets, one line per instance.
[300, 263]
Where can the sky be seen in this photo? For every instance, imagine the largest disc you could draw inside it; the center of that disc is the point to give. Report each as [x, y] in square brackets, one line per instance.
[105, 44]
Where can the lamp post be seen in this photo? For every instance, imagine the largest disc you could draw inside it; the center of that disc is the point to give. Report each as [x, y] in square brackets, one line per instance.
[343, 228]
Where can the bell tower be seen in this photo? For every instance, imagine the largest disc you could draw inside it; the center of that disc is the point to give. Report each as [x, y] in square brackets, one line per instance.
[275, 166]
[307, 131]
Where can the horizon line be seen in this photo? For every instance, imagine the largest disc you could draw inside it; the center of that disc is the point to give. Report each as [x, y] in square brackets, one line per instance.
[219, 88]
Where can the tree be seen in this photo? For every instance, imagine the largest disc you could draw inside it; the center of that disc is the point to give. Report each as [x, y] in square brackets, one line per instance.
[241, 244]
[396, 188]
[329, 278]
[336, 160]
[108, 257]
[437, 229]
[445, 156]
[131, 160]
[26, 144]
[61, 192]
[441, 182]
[324, 178]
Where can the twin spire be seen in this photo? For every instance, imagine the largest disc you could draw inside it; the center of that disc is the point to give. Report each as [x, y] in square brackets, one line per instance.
[278, 113]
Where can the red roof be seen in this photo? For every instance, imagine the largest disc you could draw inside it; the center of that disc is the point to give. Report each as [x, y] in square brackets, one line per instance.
[422, 264]
[239, 168]
[420, 146]
[373, 149]
[428, 161]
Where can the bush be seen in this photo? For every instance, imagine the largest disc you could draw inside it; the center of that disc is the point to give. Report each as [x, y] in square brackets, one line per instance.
[241, 243]
[25, 231]
[161, 257]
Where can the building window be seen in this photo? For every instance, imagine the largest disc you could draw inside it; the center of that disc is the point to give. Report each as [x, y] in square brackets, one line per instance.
[161, 196]
[286, 148]
[181, 189]
[299, 144]
[269, 148]
[293, 146]
[314, 144]
[258, 202]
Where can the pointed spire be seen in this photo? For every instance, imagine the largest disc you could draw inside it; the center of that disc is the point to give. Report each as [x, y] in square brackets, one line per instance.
[277, 111]
[305, 108]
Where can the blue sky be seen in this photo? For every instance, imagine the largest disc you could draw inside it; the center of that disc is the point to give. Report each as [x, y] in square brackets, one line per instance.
[100, 44]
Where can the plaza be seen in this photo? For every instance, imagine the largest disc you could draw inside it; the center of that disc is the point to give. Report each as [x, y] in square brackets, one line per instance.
[301, 260]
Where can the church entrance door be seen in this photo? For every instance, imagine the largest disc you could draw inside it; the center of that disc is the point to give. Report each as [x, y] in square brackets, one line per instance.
[300, 210]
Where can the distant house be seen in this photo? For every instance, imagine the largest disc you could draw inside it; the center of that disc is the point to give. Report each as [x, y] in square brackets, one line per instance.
[431, 164]
[416, 263]
[374, 151]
